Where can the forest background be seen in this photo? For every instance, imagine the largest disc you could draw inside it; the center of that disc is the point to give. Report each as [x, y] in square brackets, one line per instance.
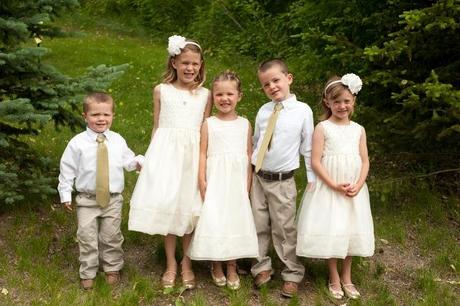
[406, 52]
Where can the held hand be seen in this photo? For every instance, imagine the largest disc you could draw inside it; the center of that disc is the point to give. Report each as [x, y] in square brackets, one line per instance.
[68, 206]
[310, 187]
[342, 188]
[138, 167]
[353, 190]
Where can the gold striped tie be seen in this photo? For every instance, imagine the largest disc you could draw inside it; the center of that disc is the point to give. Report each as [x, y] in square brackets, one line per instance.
[268, 136]
[102, 173]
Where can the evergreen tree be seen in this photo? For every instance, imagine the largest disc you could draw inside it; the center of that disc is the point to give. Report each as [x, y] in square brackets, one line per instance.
[407, 54]
[33, 93]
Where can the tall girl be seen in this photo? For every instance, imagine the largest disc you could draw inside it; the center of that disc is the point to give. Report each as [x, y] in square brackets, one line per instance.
[335, 219]
[226, 230]
[166, 199]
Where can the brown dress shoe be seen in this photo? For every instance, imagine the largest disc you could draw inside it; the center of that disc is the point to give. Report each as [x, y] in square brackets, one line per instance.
[112, 278]
[263, 277]
[289, 289]
[87, 284]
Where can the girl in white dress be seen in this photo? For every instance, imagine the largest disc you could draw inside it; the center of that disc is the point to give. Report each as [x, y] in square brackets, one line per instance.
[335, 219]
[225, 230]
[166, 199]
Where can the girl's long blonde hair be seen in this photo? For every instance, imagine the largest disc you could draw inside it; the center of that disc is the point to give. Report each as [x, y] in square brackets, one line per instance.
[170, 75]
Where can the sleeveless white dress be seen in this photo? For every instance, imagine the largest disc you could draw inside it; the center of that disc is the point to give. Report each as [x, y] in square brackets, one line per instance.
[166, 199]
[331, 225]
[226, 227]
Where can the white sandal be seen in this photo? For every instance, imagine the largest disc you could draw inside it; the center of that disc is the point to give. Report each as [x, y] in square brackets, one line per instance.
[335, 293]
[351, 291]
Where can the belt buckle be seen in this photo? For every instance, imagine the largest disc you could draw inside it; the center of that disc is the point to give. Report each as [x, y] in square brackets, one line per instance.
[280, 176]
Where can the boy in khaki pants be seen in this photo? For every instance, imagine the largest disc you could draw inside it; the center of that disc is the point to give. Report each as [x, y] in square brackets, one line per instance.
[95, 159]
[283, 130]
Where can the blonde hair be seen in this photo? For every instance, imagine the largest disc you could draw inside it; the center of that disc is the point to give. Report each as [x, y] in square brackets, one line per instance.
[97, 97]
[331, 92]
[228, 75]
[170, 75]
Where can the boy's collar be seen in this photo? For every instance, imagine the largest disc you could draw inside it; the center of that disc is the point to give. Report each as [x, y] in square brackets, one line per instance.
[287, 102]
[93, 135]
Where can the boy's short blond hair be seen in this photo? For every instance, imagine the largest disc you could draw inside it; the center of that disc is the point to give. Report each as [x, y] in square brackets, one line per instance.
[265, 65]
[97, 97]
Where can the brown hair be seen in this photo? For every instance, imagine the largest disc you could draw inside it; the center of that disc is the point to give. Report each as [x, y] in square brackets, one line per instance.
[97, 97]
[331, 93]
[228, 75]
[265, 65]
[170, 75]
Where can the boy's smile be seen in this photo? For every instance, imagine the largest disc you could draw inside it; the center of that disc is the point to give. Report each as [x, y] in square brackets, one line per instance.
[99, 116]
[275, 83]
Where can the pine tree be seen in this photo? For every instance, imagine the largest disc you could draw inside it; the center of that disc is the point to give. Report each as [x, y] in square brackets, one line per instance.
[33, 93]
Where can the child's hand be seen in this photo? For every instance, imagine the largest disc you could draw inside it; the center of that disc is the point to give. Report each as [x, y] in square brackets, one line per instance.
[342, 188]
[353, 190]
[138, 167]
[68, 206]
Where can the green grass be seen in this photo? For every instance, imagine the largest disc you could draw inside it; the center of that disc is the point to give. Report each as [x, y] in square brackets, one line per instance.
[39, 258]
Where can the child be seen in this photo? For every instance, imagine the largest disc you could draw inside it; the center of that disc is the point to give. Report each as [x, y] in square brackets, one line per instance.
[95, 159]
[276, 156]
[225, 230]
[335, 220]
[166, 199]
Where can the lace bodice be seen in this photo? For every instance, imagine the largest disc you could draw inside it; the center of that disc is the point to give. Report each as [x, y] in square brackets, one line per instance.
[182, 108]
[341, 139]
[227, 137]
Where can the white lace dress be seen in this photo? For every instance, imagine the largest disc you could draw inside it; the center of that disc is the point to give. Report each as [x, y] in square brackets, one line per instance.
[166, 198]
[331, 225]
[226, 227]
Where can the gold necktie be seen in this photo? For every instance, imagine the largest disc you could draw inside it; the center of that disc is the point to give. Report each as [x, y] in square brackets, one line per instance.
[268, 135]
[102, 173]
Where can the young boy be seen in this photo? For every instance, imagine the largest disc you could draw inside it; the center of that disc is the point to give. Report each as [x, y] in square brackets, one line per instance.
[275, 157]
[95, 159]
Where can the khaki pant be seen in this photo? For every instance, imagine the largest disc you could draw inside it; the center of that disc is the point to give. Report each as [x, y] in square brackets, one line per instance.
[274, 208]
[99, 235]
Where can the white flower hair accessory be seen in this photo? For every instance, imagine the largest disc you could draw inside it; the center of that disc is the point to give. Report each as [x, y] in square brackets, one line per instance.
[351, 80]
[176, 43]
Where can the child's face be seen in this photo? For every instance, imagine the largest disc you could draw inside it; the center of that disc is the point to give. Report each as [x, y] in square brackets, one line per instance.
[99, 116]
[275, 83]
[225, 95]
[342, 106]
[187, 65]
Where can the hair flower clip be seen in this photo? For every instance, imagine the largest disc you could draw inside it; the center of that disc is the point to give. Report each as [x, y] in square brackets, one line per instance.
[351, 80]
[175, 44]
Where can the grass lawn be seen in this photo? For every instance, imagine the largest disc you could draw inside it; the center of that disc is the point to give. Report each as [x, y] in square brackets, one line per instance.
[417, 259]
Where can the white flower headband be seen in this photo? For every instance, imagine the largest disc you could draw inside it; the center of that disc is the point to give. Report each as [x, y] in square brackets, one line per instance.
[176, 43]
[351, 80]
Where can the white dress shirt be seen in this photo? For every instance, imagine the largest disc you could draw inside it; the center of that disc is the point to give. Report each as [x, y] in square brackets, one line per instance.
[292, 136]
[79, 160]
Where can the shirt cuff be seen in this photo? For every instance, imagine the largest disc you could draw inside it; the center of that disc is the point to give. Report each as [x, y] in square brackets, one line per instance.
[140, 160]
[311, 177]
[66, 197]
